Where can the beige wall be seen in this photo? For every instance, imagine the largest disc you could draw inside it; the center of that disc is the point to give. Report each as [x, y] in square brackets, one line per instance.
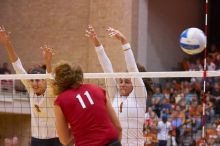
[61, 24]
[160, 24]
[153, 27]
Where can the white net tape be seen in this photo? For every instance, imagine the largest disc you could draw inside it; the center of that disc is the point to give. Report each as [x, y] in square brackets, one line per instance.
[177, 74]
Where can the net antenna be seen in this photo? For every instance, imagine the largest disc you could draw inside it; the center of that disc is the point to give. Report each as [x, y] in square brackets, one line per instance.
[205, 70]
[173, 74]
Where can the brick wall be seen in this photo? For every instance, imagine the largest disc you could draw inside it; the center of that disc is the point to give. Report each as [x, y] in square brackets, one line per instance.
[61, 24]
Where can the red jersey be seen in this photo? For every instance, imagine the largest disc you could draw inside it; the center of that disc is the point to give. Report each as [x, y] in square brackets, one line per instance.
[85, 110]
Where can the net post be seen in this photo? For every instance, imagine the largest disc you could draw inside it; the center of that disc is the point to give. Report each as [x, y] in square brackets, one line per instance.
[204, 70]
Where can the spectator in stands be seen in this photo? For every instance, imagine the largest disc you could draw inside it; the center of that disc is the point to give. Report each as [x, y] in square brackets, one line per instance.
[5, 69]
[164, 127]
[165, 107]
[218, 61]
[188, 95]
[185, 64]
[11, 141]
[213, 51]
[7, 85]
[176, 123]
[150, 117]
[195, 112]
[150, 127]
[217, 106]
[179, 97]
[218, 128]
[210, 105]
[15, 141]
[210, 63]
[157, 96]
[1, 72]
[199, 66]
[8, 142]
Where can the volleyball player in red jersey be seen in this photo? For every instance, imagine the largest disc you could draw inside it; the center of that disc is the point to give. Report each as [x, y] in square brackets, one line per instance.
[85, 109]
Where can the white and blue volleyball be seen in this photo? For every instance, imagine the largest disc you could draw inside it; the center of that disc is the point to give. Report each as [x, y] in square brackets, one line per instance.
[192, 41]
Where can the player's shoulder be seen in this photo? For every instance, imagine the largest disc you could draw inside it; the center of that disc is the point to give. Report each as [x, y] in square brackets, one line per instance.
[66, 92]
[90, 86]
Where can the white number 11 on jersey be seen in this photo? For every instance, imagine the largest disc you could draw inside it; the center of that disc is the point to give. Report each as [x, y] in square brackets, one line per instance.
[79, 97]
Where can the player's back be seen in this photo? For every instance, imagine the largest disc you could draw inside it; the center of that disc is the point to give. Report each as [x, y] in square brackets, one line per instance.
[85, 109]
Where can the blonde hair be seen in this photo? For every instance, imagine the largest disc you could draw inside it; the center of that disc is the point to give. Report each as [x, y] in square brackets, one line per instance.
[67, 77]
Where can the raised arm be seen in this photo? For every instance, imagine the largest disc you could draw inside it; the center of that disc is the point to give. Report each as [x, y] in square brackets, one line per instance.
[6, 42]
[17, 65]
[103, 60]
[128, 54]
[139, 87]
[47, 53]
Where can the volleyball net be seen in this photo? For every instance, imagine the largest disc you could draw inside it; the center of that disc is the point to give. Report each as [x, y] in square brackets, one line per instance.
[176, 93]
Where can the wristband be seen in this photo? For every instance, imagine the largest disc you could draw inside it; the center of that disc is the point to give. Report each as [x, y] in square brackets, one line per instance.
[126, 47]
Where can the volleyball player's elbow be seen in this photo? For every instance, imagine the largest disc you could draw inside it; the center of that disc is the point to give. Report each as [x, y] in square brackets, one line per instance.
[65, 141]
[119, 128]
[119, 132]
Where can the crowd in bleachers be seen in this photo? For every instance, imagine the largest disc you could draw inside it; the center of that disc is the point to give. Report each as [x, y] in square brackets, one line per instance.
[16, 85]
[179, 103]
[11, 141]
[6, 85]
[4, 69]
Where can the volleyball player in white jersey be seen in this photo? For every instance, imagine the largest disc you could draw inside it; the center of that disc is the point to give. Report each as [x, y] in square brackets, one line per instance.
[129, 96]
[43, 127]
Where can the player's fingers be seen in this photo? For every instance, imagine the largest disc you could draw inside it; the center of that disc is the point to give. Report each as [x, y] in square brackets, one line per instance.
[3, 28]
[87, 35]
[112, 34]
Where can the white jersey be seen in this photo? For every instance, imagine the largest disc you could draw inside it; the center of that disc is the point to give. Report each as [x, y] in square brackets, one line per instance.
[132, 113]
[164, 129]
[42, 113]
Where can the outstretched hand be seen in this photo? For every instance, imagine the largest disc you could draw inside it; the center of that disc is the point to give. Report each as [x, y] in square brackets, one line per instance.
[47, 53]
[4, 35]
[117, 34]
[91, 34]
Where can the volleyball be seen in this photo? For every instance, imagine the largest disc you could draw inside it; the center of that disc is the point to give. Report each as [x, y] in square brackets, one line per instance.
[192, 41]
